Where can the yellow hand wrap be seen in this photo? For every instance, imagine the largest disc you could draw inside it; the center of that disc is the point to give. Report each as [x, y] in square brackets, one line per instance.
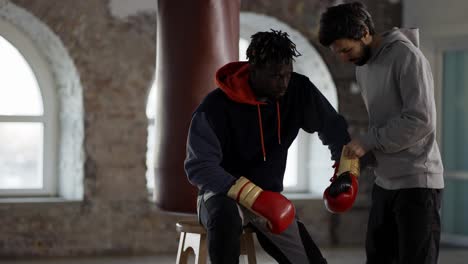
[244, 192]
[347, 164]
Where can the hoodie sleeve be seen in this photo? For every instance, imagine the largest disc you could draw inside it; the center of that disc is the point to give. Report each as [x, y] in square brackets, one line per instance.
[416, 119]
[321, 117]
[204, 156]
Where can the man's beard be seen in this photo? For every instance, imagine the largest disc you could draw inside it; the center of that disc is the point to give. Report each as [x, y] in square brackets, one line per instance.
[366, 54]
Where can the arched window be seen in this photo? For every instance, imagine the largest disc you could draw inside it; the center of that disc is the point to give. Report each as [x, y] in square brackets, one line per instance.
[308, 168]
[28, 119]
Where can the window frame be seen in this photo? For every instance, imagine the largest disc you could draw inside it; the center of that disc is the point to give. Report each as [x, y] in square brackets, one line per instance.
[49, 119]
[306, 164]
[440, 45]
[311, 156]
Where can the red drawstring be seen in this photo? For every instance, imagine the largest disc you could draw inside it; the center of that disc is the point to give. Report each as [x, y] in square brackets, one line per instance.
[261, 127]
[261, 131]
[279, 121]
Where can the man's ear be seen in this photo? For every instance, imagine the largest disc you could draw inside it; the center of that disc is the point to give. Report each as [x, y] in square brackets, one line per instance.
[366, 36]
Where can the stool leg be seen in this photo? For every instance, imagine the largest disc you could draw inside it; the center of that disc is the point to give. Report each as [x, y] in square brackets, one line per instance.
[249, 248]
[198, 243]
[203, 251]
[182, 255]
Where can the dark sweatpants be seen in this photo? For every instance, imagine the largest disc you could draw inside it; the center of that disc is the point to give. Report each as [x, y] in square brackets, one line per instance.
[222, 219]
[404, 226]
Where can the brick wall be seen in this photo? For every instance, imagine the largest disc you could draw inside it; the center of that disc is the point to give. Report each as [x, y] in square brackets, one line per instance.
[115, 59]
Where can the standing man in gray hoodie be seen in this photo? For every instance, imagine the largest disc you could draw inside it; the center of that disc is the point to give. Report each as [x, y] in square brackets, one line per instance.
[398, 91]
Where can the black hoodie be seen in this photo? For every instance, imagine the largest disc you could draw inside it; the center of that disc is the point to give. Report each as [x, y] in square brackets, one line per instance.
[232, 134]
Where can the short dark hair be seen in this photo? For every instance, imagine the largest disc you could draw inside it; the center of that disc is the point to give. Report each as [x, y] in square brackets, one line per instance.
[271, 47]
[348, 20]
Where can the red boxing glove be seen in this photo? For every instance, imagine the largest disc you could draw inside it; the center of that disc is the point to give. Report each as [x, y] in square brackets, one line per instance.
[341, 194]
[274, 207]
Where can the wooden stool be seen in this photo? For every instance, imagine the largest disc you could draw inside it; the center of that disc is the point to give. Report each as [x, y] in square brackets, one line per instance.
[193, 235]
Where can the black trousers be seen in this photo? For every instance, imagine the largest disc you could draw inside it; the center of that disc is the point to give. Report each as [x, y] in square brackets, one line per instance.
[221, 216]
[404, 226]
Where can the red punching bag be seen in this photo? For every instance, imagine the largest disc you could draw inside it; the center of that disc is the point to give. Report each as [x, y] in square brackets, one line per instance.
[194, 39]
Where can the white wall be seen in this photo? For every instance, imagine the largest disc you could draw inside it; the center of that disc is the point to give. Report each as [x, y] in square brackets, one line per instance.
[438, 21]
[125, 8]
[436, 16]
[442, 25]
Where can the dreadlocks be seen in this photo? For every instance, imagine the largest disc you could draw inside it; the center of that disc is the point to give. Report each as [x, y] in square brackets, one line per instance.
[271, 47]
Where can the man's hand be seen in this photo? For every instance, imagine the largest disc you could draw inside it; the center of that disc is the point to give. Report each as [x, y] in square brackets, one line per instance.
[354, 149]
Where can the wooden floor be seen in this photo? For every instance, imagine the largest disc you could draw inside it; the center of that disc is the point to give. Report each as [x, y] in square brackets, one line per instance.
[334, 256]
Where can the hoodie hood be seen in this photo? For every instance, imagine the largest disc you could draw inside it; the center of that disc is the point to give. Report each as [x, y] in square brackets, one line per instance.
[408, 35]
[233, 79]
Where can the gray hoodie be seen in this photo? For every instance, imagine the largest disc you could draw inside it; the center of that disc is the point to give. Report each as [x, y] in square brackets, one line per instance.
[398, 91]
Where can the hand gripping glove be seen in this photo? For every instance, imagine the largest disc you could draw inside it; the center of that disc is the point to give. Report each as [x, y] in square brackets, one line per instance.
[274, 207]
[341, 194]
